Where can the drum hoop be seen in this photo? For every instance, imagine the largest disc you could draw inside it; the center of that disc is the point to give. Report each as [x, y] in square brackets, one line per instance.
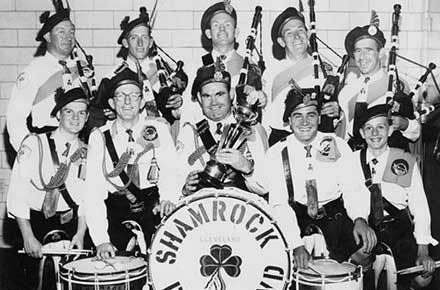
[131, 272]
[219, 193]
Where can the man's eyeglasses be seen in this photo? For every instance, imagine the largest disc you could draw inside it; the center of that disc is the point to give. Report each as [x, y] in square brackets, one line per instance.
[134, 97]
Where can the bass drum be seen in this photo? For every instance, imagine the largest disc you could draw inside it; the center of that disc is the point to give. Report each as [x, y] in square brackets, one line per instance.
[122, 272]
[220, 239]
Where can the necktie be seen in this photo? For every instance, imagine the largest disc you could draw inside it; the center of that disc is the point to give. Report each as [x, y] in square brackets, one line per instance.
[219, 130]
[132, 169]
[376, 200]
[360, 108]
[311, 188]
[50, 203]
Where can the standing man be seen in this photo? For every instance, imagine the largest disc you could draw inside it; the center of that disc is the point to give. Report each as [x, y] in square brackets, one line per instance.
[399, 210]
[47, 181]
[138, 50]
[290, 44]
[130, 174]
[309, 170]
[32, 96]
[212, 88]
[218, 35]
[366, 45]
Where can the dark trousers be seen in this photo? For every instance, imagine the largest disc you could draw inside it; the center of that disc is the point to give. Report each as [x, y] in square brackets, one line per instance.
[397, 233]
[30, 266]
[336, 226]
[119, 210]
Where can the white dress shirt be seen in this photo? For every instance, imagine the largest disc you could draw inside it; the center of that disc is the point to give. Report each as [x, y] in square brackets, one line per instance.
[413, 196]
[23, 195]
[357, 85]
[97, 187]
[24, 91]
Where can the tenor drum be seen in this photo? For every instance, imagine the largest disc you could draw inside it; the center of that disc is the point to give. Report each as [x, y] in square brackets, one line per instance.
[219, 239]
[327, 274]
[118, 273]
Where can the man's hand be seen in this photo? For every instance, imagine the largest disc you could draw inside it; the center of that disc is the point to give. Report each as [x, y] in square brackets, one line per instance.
[253, 96]
[301, 257]
[399, 123]
[165, 207]
[330, 109]
[235, 159]
[191, 183]
[77, 241]
[362, 232]
[426, 261]
[174, 102]
[33, 247]
[105, 251]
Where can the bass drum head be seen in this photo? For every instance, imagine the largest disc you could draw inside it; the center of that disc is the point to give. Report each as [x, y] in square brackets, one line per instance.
[219, 239]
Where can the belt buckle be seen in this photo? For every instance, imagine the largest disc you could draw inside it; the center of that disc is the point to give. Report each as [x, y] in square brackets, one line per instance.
[321, 213]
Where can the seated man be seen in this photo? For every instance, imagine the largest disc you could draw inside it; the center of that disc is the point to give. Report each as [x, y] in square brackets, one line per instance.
[315, 173]
[198, 144]
[49, 165]
[130, 175]
[397, 195]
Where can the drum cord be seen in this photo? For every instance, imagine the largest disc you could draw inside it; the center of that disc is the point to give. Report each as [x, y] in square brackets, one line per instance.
[107, 175]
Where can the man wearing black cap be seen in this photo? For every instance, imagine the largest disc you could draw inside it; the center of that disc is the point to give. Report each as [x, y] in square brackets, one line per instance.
[366, 45]
[32, 96]
[138, 55]
[212, 89]
[47, 182]
[131, 179]
[399, 210]
[308, 170]
[219, 32]
[290, 48]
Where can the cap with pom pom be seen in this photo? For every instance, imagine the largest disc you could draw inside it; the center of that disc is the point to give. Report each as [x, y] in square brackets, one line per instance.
[50, 21]
[127, 25]
[368, 31]
[63, 98]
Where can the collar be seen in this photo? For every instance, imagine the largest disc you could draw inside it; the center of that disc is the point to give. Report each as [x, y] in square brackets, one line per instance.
[145, 63]
[61, 140]
[228, 120]
[228, 55]
[315, 142]
[287, 62]
[118, 129]
[374, 77]
[382, 158]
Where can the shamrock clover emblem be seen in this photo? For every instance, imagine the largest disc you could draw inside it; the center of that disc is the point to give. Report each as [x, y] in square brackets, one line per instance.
[220, 258]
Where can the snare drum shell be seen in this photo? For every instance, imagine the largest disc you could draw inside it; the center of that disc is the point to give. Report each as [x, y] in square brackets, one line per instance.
[82, 274]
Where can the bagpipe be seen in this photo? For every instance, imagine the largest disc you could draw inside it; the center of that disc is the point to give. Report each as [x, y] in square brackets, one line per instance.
[247, 111]
[333, 83]
[86, 71]
[171, 81]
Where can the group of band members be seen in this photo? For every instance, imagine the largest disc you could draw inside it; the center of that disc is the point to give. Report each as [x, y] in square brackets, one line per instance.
[140, 160]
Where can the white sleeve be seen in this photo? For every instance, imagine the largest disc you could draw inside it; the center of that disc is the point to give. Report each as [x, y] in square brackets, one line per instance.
[355, 193]
[20, 105]
[413, 131]
[418, 206]
[20, 183]
[96, 191]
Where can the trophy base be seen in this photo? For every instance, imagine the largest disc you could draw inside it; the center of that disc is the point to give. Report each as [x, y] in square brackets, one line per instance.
[207, 180]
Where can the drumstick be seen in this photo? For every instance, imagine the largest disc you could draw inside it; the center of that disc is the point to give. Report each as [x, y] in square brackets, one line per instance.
[61, 252]
[415, 269]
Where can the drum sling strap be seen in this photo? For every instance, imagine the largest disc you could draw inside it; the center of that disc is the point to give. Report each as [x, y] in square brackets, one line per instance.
[288, 175]
[114, 156]
[376, 194]
[63, 190]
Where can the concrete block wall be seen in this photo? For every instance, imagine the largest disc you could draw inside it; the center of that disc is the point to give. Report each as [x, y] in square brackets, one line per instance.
[177, 30]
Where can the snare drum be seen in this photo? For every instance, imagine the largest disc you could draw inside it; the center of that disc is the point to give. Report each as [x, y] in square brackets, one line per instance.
[120, 272]
[327, 274]
[219, 239]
